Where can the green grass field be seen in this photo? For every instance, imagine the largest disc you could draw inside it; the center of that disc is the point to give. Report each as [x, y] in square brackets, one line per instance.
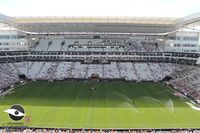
[111, 105]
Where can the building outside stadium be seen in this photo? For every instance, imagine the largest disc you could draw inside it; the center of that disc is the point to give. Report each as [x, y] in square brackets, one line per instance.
[107, 74]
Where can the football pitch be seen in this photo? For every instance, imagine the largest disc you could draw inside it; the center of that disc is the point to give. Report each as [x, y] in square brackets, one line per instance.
[75, 104]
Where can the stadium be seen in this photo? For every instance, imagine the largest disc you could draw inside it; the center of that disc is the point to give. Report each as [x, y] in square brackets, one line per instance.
[100, 74]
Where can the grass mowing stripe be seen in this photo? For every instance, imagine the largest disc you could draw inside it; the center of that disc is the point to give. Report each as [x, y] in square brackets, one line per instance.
[110, 105]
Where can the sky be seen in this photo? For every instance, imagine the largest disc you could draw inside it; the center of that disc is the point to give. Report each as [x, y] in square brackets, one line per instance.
[142, 8]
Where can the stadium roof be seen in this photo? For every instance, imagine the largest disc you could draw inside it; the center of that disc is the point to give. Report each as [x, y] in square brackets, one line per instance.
[99, 24]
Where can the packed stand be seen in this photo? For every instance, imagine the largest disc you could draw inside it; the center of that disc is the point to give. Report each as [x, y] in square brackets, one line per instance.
[58, 130]
[187, 80]
[125, 43]
[120, 70]
[8, 76]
